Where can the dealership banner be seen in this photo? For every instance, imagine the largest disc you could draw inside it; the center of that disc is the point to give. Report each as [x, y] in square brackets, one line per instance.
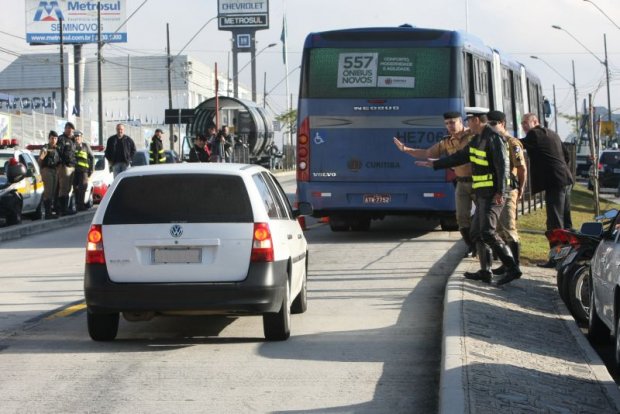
[79, 21]
[246, 14]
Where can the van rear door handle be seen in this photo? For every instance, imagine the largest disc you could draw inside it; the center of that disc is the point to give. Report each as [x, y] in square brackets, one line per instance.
[289, 236]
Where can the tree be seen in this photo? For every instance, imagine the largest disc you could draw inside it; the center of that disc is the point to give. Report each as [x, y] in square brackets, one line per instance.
[288, 121]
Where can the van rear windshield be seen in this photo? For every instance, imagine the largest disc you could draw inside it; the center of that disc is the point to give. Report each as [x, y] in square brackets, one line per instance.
[179, 198]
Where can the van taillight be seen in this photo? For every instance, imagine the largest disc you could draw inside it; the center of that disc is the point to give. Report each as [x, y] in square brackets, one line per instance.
[303, 151]
[94, 245]
[262, 245]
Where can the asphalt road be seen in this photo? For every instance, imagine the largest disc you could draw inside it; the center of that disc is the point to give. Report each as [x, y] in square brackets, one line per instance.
[370, 341]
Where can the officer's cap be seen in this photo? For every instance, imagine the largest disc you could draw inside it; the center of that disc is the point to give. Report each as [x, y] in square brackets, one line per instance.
[497, 116]
[451, 115]
[69, 125]
[77, 133]
[472, 111]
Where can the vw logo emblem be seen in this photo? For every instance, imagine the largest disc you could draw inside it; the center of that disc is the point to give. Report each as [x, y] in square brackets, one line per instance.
[176, 231]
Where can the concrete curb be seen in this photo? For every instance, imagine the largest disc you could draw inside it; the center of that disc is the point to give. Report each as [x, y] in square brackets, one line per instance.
[41, 226]
[453, 381]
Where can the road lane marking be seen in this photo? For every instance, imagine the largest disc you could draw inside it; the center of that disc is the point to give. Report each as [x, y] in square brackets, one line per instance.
[67, 311]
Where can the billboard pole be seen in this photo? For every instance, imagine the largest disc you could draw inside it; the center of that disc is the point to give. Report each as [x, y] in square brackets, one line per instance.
[99, 80]
[62, 73]
[169, 83]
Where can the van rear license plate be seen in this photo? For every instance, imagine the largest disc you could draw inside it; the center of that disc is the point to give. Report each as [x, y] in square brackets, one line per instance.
[164, 256]
[377, 198]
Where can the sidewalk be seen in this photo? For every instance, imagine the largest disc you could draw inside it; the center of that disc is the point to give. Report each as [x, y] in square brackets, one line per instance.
[515, 348]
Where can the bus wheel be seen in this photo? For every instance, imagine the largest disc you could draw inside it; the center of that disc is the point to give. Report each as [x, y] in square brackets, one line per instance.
[449, 224]
[338, 223]
[361, 224]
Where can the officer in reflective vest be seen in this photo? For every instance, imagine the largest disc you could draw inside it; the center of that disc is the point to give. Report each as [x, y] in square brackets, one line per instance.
[156, 149]
[84, 162]
[488, 155]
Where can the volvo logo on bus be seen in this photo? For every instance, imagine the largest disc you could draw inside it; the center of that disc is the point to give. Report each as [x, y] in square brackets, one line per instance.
[176, 231]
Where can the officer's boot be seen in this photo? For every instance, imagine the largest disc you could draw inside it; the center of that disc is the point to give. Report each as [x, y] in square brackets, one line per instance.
[515, 249]
[471, 247]
[512, 268]
[484, 257]
[62, 206]
[47, 204]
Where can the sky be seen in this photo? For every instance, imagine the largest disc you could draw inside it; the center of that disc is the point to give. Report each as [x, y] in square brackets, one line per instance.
[520, 28]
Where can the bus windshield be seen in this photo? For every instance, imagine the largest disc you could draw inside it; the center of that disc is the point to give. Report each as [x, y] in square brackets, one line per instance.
[349, 73]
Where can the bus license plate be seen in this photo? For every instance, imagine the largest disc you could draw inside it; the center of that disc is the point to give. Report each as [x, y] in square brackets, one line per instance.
[377, 198]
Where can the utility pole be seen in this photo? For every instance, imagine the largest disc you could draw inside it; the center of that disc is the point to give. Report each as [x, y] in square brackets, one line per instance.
[555, 110]
[62, 73]
[264, 89]
[128, 87]
[99, 80]
[607, 75]
[597, 207]
[253, 68]
[576, 110]
[169, 83]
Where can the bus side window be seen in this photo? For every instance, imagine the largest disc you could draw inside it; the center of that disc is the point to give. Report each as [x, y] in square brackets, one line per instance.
[470, 94]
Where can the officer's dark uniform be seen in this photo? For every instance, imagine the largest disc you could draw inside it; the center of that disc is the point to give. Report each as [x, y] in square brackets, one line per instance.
[65, 171]
[84, 162]
[488, 156]
[156, 150]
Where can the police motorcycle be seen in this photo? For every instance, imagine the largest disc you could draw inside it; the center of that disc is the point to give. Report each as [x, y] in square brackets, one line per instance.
[572, 250]
[10, 200]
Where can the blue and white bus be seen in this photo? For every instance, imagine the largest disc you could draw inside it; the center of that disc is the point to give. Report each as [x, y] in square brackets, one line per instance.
[362, 87]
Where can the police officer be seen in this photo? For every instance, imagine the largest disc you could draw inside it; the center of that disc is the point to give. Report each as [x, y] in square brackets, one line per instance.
[488, 155]
[507, 226]
[458, 137]
[48, 160]
[66, 168]
[156, 149]
[83, 170]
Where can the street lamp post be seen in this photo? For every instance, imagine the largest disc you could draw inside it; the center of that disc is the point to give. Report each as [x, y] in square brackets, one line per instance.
[573, 84]
[602, 62]
[252, 61]
[604, 14]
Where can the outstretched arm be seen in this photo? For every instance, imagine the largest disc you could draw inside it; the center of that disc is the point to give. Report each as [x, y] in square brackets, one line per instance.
[414, 152]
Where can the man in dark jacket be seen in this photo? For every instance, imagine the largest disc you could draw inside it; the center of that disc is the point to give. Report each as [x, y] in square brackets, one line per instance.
[488, 155]
[549, 171]
[156, 149]
[119, 150]
[66, 168]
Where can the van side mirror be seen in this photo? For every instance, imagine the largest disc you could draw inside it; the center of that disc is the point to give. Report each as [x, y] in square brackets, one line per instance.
[592, 228]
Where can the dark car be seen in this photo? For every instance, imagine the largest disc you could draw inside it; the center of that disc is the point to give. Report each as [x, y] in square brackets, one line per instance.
[608, 169]
[141, 157]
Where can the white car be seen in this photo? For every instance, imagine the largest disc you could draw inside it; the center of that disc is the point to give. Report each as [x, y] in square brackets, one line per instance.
[102, 176]
[26, 196]
[192, 239]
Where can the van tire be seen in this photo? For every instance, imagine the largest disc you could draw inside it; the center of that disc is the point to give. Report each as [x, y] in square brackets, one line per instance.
[277, 326]
[38, 213]
[102, 326]
[300, 304]
[449, 224]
